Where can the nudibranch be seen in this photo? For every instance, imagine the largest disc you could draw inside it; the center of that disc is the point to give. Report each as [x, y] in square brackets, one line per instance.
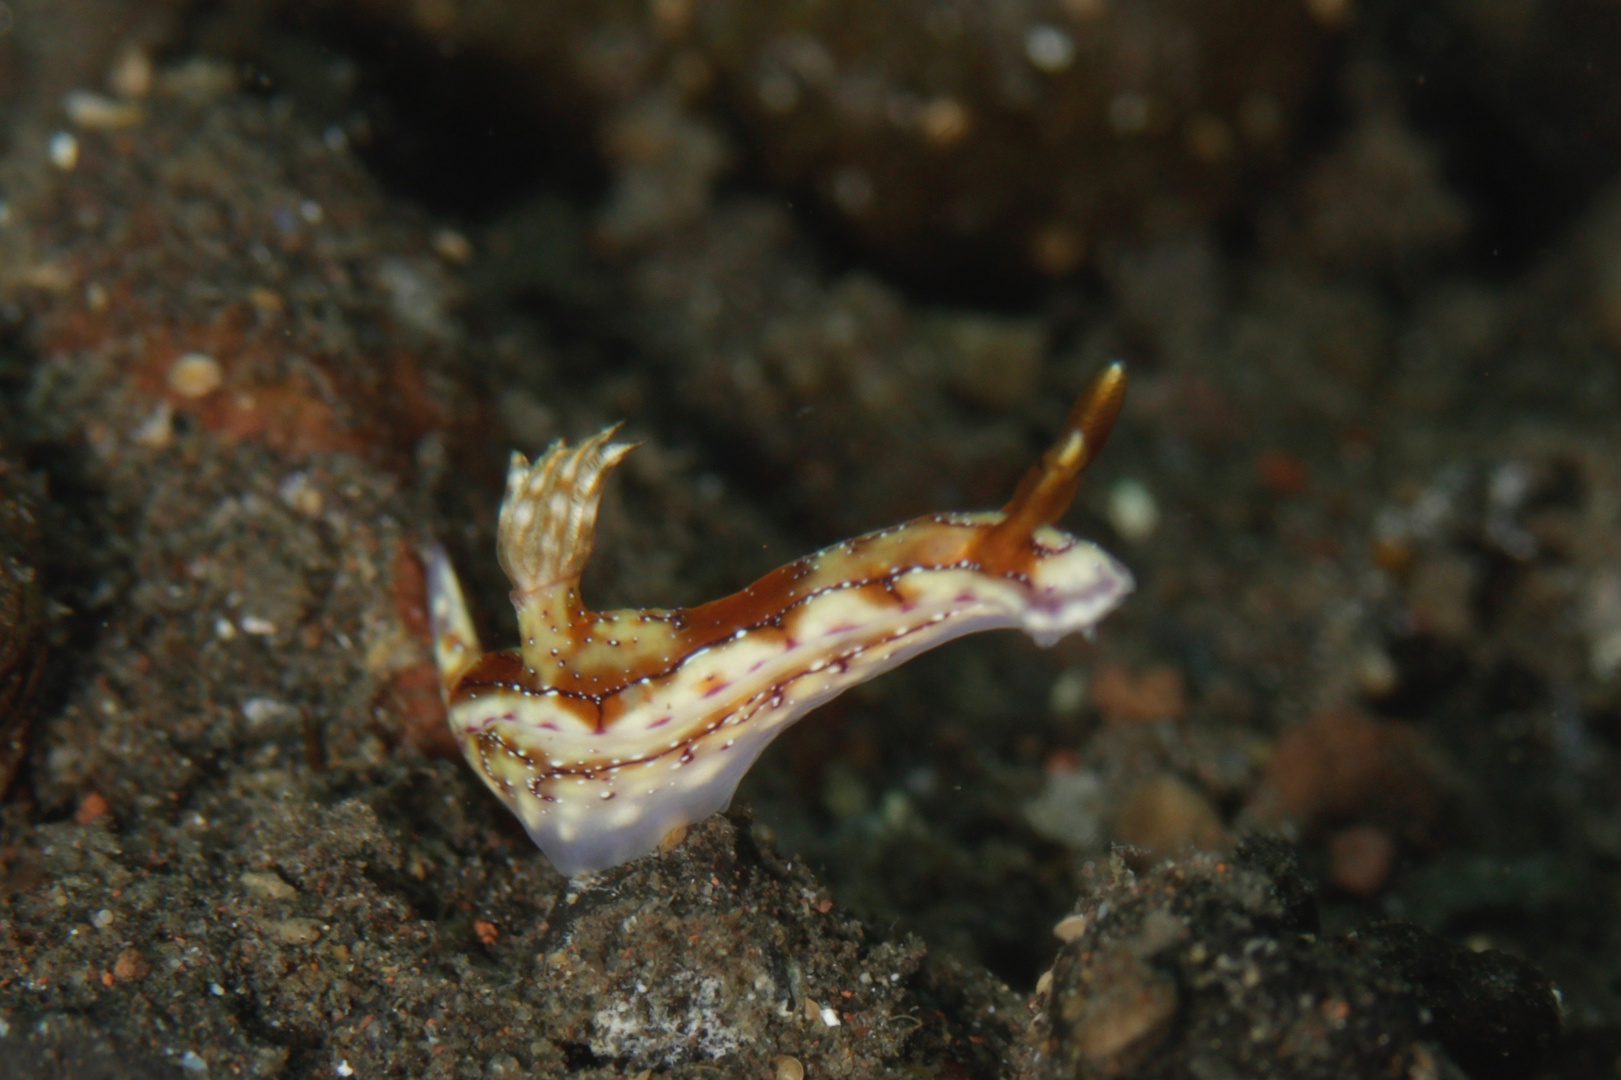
[608, 733]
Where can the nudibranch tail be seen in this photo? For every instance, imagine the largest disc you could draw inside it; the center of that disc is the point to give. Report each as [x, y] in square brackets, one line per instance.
[607, 732]
[1049, 487]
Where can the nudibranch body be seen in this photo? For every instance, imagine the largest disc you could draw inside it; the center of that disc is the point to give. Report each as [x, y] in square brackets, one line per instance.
[608, 732]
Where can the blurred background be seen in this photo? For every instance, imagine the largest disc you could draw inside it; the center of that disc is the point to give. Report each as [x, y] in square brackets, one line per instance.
[841, 263]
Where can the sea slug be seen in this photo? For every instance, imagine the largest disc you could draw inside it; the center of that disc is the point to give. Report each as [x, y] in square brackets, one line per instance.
[608, 733]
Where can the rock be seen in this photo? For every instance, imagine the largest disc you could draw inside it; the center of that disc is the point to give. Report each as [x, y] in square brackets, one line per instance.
[1359, 859]
[1214, 967]
[1497, 1015]
[1342, 764]
[1165, 815]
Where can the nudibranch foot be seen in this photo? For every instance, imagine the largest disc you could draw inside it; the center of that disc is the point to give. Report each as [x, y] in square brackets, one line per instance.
[607, 732]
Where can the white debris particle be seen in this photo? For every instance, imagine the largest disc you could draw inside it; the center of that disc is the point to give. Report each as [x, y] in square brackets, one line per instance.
[1070, 809]
[344, 1069]
[195, 375]
[1376, 673]
[297, 492]
[451, 246]
[192, 1061]
[262, 710]
[418, 295]
[64, 150]
[102, 919]
[1067, 696]
[830, 1016]
[157, 430]
[253, 624]
[224, 629]
[131, 74]
[96, 112]
[1132, 510]
[1048, 48]
[1069, 928]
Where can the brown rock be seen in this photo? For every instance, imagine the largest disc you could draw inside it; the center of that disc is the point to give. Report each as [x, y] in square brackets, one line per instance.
[1166, 815]
[1154, 693]
[1126, 1011]
[1359, 859]
[131, 965]
[1342, 763]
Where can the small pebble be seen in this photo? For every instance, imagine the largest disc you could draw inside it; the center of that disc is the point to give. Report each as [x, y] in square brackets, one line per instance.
[1048, 48]
[296, 931]
[1125, 696]
[192, 1061]
[195, 375]
[131, 965]
[1067, 695]
[253, 624]
[1132, 510]
[1130, 1010]
[267, 884]
[1069, 928]
[131, 74]
[64, 151]
[157, 430]
[1360, 858]
[91, 807]
[789, 1068]
[1376, 673]
[266, 301]
[1070, 808]
[944, 122]
[298, 493]
[262, 710]
[452, 246]
[198, 80]
[96, 112]
[102, 919]
[1166, 815]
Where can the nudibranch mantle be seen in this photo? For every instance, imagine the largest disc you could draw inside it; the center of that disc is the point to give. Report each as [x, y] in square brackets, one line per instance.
[607, 732]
